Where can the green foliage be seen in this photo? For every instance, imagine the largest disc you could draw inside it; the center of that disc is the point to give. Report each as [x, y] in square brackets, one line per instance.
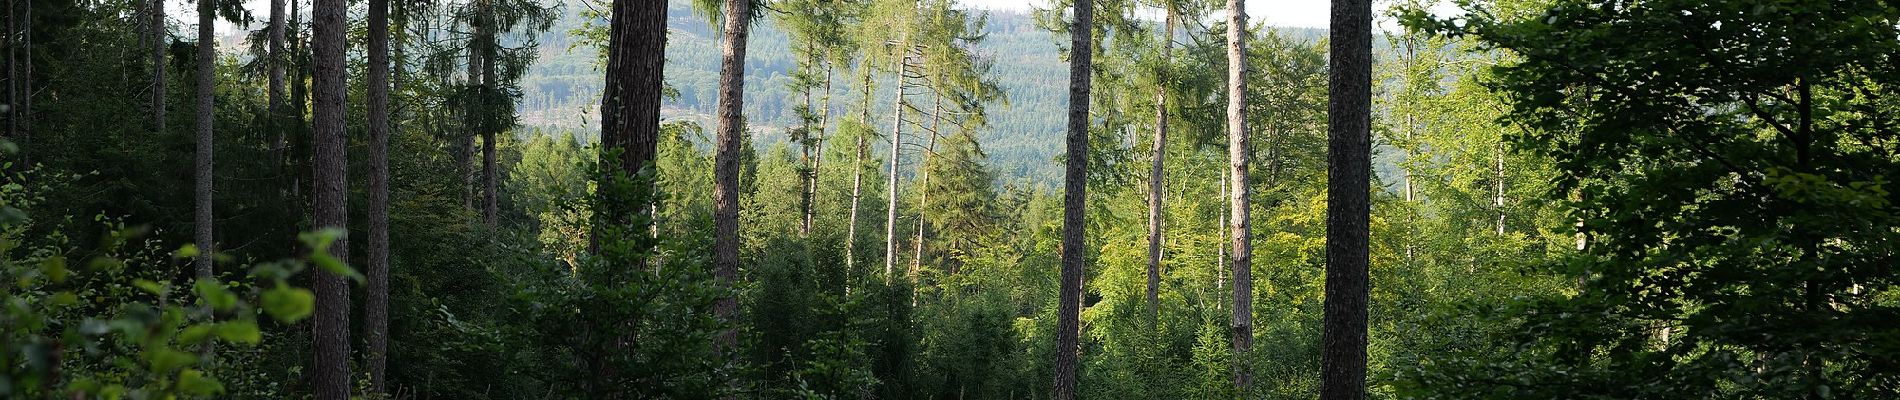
[1728, 179]
[119, 323]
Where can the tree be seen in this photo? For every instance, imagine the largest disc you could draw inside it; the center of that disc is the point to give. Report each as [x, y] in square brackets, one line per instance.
[331, 375]
[1155, 184]
[1348, 202]
[630, 119]
[1241, 225]
[201, 183]
[738, 22]
[275, 108]
[1727, 176]
[377, 309]
[161, 39]
[1074, 202]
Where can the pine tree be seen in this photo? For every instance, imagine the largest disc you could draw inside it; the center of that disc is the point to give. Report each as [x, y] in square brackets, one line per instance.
[376, 312]
[1240, 220]
[1074, 203]
[331, 375]
[1348, 202]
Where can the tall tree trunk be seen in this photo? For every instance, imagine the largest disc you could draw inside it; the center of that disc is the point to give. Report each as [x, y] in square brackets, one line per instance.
[377, 309]
[1497, 185]
[207, 81]
[491, 203]
[818, 144]
[857, 174]
[738, 21]
[1241, 223]
[1220, 259]
[1155, 182]
[897, 143]
[464, 146]
[1348, 202]
[923, 192]
[160, 39]
[1074, 203]
[808, 178]
[630, 108]
[275, 108]
[331, 376]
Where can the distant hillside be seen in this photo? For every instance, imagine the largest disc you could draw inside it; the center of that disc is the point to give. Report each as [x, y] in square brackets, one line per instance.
[562, 90]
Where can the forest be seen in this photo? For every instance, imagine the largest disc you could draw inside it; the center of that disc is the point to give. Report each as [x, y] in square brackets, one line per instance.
[896, 199]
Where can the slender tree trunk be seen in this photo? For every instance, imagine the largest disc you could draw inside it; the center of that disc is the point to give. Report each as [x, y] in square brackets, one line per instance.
[299, 93]
[1241, 224]
[1497, 201]
[160, 39]
[26, 82]
[491, 203]
[275, 108]
[1348, 202]
[464, 151]
[807, 179]
[897, 143]
[738, 21]
[923, 197]
[1155, 187]
[331, 376]
[818, 162]
[377, 309]
[857, 174]
[207, 81]
[1074, 203]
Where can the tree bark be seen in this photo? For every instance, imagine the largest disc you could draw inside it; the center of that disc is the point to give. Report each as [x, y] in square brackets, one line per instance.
[275, 108]
[160, 39]
[377, 309]
[1348, 205]
[1241, 223]
[201, 189]
[1155, 182]
[738, 18]
[897, 143]
[857, 174]
[331, 375]
[630, 106]
[923, 196]
[1074, 202]
[491, 203]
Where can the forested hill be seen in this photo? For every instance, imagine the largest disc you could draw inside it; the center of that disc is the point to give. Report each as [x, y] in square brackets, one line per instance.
[1023, 138]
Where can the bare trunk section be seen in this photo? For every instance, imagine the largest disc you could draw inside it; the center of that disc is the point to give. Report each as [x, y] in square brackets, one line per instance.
[491, 203]
[1155, 183]
[331, 375]
[857, 176]
[376, 311]
[897, 143]
[1241, 224]
[1348, 202]
[726, 165]
[630, 107]
[201, 189]
[1497, 200]
[1074, 203]
[923, 197]
[274, 109]
[807, 179]
[160, 39]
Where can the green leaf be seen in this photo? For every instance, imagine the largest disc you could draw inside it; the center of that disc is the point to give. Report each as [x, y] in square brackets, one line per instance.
[239, 332]
[149, 286]
[189, 250]
[335, 266]
[194, 382]
[288, 304]
[214, 294]
[194, 334]
[168, 359]
[55, 268]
